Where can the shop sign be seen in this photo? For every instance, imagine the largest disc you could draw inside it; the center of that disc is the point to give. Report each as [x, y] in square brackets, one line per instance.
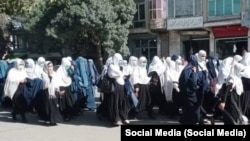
[185, 23]
[245, 18]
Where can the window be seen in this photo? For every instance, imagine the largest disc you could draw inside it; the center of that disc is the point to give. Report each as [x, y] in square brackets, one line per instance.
[224, 7]
[184, 8]
[145, 47]
[139, 18]
[17, 42]
[248, 4]
[157, 9]
[225, 46]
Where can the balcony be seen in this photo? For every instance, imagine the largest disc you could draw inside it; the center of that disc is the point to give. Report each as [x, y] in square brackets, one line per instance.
[157, 24]
[157, 14]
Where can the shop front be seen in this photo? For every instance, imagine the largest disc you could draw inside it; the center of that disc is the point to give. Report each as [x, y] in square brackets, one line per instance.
[229, 38]
[195, 42]
[187, 36]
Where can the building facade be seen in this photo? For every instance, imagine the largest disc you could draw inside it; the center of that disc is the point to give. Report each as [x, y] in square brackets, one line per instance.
[167, 27]
[148, 35]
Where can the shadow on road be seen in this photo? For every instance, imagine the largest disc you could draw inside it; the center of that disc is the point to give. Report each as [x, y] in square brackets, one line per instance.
[88, 118]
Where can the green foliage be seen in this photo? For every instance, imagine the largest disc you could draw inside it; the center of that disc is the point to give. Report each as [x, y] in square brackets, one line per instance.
[4, 22]
[10, 9]
[63, 22]
[15, 7]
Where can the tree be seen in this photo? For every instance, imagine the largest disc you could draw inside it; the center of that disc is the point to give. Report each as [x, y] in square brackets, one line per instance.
[104, 23]
[4, 32]
[8, 10]
[15, 7]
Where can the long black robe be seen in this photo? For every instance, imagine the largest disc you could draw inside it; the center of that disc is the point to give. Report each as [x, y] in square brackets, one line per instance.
[188, 83]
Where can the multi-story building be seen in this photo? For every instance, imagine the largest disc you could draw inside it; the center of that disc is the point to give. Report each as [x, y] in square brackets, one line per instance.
[148, 35]
[228, 28]
[167, 27]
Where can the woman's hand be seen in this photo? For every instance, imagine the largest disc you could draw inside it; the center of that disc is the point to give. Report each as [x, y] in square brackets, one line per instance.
[61, 92]
[23, 81]
[222, 105]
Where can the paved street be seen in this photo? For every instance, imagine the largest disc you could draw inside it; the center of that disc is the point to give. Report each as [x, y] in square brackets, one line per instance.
[85, 127]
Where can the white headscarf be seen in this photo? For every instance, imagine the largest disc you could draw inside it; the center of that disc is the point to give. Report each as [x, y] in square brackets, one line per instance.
[63, 77]
[229, 71]
[50, 83]
[246, 59]
[235, 78]
[143, 75]
[14, 77]
[30, 68]
[171, 78]
[133, 70]
[132, 63]
[114, 69]
[39, 66]
[201, 55]
[105, 67]
[157, 66]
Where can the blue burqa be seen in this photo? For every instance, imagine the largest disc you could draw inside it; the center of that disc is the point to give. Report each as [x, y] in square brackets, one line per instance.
[83, 71]
[3, 74]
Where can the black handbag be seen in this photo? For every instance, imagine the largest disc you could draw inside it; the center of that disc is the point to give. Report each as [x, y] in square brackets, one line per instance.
[106, 85]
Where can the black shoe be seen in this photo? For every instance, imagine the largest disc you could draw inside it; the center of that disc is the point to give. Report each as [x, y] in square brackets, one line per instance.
[13, 116]
[151, 116]
[99, 116]
[52, 124]
[32, 111]
[92, 109]
[24, 120]
[67, 119]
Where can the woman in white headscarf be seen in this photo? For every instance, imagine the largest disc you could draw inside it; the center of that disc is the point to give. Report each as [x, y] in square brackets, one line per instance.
[131, 83]
[66, 101]
[245, 98]
[48, 109]
[103, 110]
[142, 86]
[231, 90]
[118, 100]
[39, 66]
[171, 85]
[156, 72]
[34, 84]
[14, 89]
[203, 81]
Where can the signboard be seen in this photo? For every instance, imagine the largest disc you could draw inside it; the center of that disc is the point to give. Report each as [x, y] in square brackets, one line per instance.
[245, 18]
[185, 23]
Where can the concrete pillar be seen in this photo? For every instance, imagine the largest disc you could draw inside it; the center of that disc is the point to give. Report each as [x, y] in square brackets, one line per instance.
[147, 14]
[164, 52]
[174, 43]
[204, 11]
[243, 5]
[212, 44]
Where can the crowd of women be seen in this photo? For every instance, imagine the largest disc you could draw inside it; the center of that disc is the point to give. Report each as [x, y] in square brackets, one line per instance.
[194, 91]
[190, 89]
[55, 94]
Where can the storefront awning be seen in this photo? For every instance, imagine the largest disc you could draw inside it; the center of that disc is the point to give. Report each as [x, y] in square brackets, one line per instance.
[230, 31]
